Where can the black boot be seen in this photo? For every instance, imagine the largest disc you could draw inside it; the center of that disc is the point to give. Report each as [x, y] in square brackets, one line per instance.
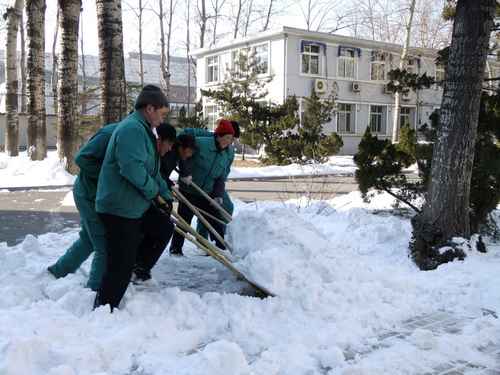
[176, 252]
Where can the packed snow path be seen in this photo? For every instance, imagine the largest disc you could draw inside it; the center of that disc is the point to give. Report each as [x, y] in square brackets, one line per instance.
[349, 302]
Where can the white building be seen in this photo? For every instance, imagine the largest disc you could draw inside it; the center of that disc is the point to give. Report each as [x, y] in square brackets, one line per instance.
[353, 70]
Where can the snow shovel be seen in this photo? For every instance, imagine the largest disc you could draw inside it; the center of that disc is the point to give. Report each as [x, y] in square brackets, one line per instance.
[198, 214]
[221, 209]
[185, 230]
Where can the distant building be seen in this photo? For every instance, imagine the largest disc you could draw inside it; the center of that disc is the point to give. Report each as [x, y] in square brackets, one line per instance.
[178, 79]
[353, 70]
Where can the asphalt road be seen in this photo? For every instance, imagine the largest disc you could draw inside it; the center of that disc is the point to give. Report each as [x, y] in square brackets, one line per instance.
[41, 211]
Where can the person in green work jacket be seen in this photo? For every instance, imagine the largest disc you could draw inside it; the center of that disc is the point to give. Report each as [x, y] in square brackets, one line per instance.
[133, 201]
[210, 164]
[227, 203]
[91, 239]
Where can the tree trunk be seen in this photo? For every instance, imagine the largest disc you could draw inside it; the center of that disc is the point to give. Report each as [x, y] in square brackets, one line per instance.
[447, 207]
[268, 16]
[248, 17]
[141, 60]
[23, 63]
[54, 66]
[12, 15]
[68, 119]
[86, 96]
[37, 131]
[188, 42]
[111, 60]
[402, 65]
[203, 23]
[237, 20]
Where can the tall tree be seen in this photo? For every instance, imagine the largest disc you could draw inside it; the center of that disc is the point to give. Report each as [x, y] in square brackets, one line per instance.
[237, 19]
[165, 42]
[268, 15]
[447, 208]
[68, 118]
[139, 14]
[111, 60]
[188, 56]
[202, 20]
[55, 64]
[37, 131]
[12, 15]
[22, 63]
[217, 6]
[83, 67]
[402, 65]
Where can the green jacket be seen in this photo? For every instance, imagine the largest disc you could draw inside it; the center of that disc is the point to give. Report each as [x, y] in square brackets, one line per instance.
[89, 159]
[130, 175]
[210, 167]
[198, 132]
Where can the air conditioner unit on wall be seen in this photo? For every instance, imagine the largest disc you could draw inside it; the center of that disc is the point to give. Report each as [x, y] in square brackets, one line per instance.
[405, 97]
[320, 86]
[356, 87]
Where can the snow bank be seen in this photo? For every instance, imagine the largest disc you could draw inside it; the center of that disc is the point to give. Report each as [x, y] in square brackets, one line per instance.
[20, 171]
[341, 165]
[343, 279]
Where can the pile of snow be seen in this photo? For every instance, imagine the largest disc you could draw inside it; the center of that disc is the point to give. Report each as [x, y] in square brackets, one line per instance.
[20, 171]
[343, 280]
[337, 165]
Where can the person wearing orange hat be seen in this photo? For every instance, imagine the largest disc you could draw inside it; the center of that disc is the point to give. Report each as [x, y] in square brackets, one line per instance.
[210, 165]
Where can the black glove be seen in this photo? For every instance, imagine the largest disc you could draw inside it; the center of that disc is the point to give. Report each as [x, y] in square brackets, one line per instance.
[170, 183]
[163, 205]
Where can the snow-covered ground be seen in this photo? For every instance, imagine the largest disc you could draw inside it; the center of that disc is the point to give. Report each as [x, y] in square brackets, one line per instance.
[22, 172]
[349, 302]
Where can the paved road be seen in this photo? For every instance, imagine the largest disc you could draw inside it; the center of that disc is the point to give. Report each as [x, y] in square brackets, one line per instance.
[41, 211]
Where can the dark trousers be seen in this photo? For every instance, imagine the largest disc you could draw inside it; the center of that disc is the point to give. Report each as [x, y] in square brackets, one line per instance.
[130, 242]
[185, 212]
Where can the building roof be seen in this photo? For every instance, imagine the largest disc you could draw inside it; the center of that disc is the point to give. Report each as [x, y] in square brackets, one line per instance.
[316, 35]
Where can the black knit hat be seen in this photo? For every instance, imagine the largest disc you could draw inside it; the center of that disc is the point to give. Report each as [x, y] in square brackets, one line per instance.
[166, 132]
[186, 141]
[152, 95]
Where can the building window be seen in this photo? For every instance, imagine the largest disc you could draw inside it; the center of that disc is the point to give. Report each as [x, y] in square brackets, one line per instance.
[377, 119]
[240, 61]
[405, 117]
[378, 65]
[213, 69]
[439, 76]
[347, 63]
[211, 114]
[346, 118]
[261, 57]
[310, 59]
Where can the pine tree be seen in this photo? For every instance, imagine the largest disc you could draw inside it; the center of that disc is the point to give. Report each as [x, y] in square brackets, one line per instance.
[194, 120]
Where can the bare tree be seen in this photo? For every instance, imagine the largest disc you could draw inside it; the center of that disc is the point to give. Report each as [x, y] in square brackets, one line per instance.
[68, 118]
[202, 20]
[217, 6]
[188, 44]
[402, 65]
[12, 15]
[23, 63]
[447, 208]
[37, 130]
[54, 76]
[248, 17]
[325, 15]
[237, 19]
[268, 15]
[165, 39]
[111, 60]
[431, 29]
[139, 14]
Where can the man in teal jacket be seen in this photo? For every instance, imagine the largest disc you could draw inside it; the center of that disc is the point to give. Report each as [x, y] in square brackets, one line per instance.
[133, 200]
[210, 164]
[227, 203]
[89, 160]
